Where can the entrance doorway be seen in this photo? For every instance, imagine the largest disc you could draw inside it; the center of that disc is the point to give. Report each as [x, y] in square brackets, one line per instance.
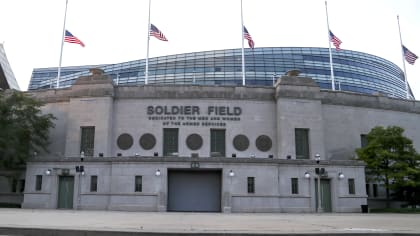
[65, 192]
[325, 195]
[194, 190]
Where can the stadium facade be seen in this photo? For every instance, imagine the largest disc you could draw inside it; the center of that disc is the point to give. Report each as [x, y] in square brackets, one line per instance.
[7, 78]
[209, 148]
[354, 71]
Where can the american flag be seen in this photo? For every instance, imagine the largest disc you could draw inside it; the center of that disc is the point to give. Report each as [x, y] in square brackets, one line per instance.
[248, 37]
[69, 38]
[336, 41]
[409, 56]
[154, 31]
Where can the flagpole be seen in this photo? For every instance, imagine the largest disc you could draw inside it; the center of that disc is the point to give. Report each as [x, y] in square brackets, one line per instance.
[148, 39]
[402, 54]
[329, 44]
[62, 44]
[243, 56]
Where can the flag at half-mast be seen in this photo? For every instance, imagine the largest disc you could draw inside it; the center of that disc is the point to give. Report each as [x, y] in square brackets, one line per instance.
[335, 40]
[154, 31]
[70, 38]
[248, 37]
[410, 57]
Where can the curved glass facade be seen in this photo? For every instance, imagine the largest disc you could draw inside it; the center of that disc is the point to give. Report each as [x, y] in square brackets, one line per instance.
[354, 71]
[7, 78]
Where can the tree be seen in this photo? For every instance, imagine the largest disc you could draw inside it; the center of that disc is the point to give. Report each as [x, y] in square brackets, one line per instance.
[391, 158]
[23, 128]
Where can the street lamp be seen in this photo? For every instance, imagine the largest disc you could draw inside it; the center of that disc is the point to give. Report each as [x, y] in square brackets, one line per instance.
[317, 159]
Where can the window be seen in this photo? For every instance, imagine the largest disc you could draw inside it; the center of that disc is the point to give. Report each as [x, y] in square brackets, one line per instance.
[38, 183]
[295, 186]
[14, 185]
[375, 190]
[93, 183]
[302, 143]
[170, 142]
[251, 184]
[87, 140]
[368, 190]
[351, 186]
[138, 183]
[21, 185]
[217, 142]
[363, 140]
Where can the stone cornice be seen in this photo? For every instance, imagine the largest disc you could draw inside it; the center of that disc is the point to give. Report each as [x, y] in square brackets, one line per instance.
[210, 160]
[285, 88]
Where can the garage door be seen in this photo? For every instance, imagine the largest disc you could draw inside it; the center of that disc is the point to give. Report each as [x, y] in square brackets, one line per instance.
[194, 190]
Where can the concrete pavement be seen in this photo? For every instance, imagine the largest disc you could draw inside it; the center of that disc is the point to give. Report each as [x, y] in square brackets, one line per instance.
[209, 223]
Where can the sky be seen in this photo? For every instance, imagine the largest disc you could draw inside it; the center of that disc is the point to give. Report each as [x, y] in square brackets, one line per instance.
[115, 31]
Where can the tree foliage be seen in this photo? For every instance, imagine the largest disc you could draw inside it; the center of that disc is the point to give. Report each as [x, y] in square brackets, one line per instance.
[390, 158]
[23, 128]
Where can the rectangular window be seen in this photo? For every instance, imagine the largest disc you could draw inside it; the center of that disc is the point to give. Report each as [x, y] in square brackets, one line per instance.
[14, 185]
[375, 190]
[87, 140]
[38, 183]
[251, 184]
[217, 142]
[363, 140]
[21, 185]
[368, 190]
[138, 183]
[302, 143]
[170, 142]
[93, 183]
[351, 186]
[295, 186]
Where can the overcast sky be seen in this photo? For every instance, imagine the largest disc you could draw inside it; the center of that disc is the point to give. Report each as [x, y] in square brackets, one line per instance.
[115, 31]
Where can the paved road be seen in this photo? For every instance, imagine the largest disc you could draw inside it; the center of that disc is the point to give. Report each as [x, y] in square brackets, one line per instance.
[210, 222]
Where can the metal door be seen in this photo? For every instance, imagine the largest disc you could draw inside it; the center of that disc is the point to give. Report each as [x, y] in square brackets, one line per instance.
[65, 192]
[194, 191]
[325, 195]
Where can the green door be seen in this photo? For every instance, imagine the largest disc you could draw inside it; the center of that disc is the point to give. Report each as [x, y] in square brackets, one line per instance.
[65, 192]
[170, 141]
[325, 195]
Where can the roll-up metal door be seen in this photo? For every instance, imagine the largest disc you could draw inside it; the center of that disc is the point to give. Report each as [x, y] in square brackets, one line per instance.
[194, 191]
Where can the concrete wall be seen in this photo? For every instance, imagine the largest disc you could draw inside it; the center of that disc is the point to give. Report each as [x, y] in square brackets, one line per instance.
[335, 121]
[116, 185]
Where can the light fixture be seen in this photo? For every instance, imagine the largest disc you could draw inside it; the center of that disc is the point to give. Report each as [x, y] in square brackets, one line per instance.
[157, 173]
[48, 172]
[307, 175]
[83, 173]
[136, 154]
[317, 158]
[231, 173]
[340, 175]
[252, 155]
[82, 155]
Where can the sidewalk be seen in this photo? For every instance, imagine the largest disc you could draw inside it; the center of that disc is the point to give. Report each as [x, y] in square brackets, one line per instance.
[217, 223]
